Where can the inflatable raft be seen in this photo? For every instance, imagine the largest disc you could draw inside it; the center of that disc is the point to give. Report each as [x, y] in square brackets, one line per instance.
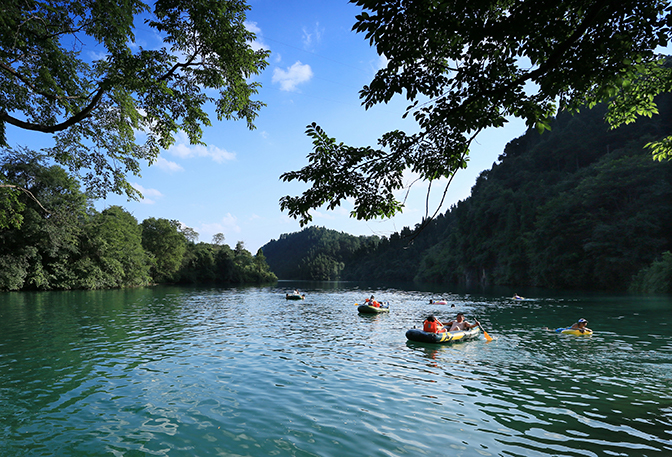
[420, 336]
[367, 309]
[570, 331]
[295, 296]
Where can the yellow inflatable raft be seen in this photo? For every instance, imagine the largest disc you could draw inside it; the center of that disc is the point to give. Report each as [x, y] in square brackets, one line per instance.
[570, 331]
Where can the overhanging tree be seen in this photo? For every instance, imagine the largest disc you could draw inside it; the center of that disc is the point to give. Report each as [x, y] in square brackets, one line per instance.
[466, 66]
[96, 107]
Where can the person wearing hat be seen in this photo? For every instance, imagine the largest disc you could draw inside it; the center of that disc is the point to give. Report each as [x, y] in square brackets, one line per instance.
[581, 326]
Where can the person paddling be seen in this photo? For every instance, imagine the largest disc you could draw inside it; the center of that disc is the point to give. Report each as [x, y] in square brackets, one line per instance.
[580, 325]
[433, 325]
[460, 324]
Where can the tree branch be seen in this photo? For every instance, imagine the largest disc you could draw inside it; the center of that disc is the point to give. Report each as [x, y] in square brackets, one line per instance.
[57, 127]
[27, 192]
[31, 86]
[84, 113]
[172, 71]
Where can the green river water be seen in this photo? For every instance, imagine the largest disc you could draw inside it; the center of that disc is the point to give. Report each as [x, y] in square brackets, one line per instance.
[169, 371]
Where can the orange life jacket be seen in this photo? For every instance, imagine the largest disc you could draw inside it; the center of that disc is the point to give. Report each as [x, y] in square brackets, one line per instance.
[433, 327]
[373, 303]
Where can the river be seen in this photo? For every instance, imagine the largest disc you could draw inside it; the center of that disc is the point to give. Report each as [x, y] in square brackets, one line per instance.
[170, 371]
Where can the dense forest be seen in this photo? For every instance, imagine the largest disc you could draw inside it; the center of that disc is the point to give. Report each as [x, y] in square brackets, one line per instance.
[315, 253]
[58, 241]
[580, 207]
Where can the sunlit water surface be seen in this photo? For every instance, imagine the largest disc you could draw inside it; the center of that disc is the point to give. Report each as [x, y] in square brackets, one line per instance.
[244, 372]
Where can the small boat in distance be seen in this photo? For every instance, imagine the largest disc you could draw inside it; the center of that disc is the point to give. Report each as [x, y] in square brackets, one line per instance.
[383, 307]
[295, 296]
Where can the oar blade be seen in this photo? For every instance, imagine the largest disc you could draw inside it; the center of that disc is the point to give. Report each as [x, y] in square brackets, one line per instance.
[488, 338]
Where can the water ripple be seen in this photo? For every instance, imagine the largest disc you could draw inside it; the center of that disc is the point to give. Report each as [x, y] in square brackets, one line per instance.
[242, 371]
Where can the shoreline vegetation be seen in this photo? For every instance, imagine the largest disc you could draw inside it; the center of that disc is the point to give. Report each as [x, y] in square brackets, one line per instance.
[73, 246]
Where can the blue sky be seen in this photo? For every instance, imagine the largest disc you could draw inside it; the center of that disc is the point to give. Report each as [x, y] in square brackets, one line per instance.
[316, 68]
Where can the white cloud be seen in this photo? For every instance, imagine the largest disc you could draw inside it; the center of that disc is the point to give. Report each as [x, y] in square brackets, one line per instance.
[311, 36]
[321, 215]
[252, 27]
[293, 76]
[98, 55]
[228, 225]
[147, 193]
[183, 149]
[380, 63]
[258, 42]
[167, 165]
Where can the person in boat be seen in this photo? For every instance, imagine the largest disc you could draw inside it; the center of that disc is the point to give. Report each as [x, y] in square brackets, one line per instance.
[460, 324]
[580, 325]
[295, 294]
[432, 325]
[372, 302]
[517, 297]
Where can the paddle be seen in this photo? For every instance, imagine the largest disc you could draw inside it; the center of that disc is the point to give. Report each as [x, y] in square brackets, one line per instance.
[485, 334]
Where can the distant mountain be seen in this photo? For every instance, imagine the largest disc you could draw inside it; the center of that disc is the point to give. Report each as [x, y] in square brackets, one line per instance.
[314, 253]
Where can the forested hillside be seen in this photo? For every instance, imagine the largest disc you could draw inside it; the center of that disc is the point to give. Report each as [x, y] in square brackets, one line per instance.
[581, 206]
[315, 253]
[58, 241]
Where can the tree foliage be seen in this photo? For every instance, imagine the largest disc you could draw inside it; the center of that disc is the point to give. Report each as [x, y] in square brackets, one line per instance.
[581, 206]
[39, 256]
[584, 207]
[315, 253]
[113, 254]
[657, 278]
[95, 107]
[73, 246]
[206, 263]
[166, 245]
[469, 66]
